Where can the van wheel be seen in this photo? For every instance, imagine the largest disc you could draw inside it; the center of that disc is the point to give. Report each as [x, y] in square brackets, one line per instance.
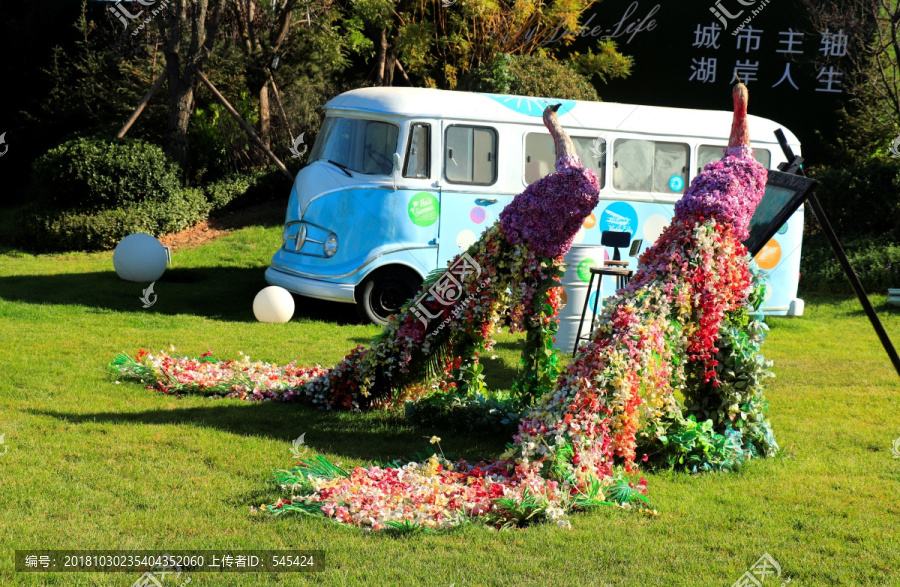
[384, 292]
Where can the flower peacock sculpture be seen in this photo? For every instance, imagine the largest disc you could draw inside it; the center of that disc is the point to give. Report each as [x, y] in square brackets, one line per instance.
[677, 326]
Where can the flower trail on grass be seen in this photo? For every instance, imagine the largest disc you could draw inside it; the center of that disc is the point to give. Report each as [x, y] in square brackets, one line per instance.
[574, 446]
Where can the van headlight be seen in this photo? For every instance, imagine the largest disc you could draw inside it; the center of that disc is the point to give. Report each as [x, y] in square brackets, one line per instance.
[331, 245]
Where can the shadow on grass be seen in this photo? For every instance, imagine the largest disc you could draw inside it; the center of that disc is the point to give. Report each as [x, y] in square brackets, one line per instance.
[497, 374]
[373, 436]
[215, 292]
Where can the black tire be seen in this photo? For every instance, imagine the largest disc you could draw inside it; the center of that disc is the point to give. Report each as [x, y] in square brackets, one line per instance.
[384, 292]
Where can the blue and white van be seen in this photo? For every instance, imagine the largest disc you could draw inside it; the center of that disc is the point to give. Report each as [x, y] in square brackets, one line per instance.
[400, 180]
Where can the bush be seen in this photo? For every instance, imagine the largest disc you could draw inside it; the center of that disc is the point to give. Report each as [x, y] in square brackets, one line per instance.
[87, 175]
[529, 75]
[876, 260]
[241, 190]
[103, 229]
[861, 199]
[90, 193]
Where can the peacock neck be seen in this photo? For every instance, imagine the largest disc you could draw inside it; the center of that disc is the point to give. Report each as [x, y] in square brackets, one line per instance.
[566, 155]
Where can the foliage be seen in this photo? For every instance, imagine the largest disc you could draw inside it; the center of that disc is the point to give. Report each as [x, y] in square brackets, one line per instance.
[68, 230]
[440, 44]
[529, 75]
[606, 64]
[88, 175]
[874, 259]
[238, 190]
[872, 63]
[479, 413]
[91, 193]
[722, 422]
[862, 199]
[98, 84]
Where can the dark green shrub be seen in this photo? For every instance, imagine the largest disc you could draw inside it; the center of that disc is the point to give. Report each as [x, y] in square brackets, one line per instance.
[861, 199]
[88, 175]
[69, 230]
[529, 75]
[90, 193]
[238, 191]
[876, 260]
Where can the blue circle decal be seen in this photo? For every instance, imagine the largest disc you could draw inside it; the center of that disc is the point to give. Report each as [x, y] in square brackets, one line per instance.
[783, 229]
[676, 183]
[619, 217]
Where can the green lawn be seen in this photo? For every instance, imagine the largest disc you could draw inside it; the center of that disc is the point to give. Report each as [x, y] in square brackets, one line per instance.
[96, 464]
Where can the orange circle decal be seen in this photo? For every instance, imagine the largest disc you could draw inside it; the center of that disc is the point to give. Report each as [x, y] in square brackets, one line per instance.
[590, 221]
[769, 256]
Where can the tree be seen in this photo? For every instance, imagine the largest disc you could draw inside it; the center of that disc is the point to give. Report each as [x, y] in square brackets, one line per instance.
[871, 64]
[261, 34]
[437, 43]
[189, 31]
[288, 53]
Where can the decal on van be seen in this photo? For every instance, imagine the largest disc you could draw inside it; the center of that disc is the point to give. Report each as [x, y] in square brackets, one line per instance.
[584, 269]
[424, 209]
[653, 227]
[619, 217]
[532, 106]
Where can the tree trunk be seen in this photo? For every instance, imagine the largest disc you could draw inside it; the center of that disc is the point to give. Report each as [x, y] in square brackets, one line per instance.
[380, 58]
[265, 119]
[181, 103]
[390, 64]
[184, 54]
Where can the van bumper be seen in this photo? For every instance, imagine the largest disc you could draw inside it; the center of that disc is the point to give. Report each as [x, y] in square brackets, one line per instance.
[313, 288]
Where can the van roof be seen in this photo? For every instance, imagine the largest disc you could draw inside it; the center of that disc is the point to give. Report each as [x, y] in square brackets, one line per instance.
[447, 104]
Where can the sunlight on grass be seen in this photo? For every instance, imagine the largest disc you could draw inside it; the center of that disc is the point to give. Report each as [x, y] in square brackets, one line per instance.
[94, 464]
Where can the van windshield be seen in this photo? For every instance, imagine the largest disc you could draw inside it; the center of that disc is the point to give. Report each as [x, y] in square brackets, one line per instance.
[364, 146]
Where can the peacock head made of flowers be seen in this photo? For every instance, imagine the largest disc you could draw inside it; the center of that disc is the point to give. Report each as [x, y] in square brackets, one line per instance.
[549, 213]
[728, 189]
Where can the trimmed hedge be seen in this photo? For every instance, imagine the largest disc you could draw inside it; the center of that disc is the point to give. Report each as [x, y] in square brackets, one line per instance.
[88, 174]
[72, 230]
[89, 193]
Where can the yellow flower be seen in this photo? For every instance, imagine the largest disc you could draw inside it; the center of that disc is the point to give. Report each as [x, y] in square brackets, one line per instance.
[435, 440]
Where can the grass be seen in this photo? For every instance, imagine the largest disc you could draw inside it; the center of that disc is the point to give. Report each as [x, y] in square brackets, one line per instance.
[96, 464]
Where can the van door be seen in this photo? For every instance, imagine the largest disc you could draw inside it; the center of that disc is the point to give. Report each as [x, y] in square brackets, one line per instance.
[470, 198]
[418, 195]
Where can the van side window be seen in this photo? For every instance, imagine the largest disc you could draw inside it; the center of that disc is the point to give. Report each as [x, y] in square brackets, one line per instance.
[418, 152]
[540, 155]
[470, 154]
[709, 153]
[650, 166]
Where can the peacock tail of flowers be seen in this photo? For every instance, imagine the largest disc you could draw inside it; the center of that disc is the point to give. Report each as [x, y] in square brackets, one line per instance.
[579, 439]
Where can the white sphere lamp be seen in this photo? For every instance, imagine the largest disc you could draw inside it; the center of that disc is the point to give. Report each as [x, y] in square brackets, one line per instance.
[140, 257]
[273, 304]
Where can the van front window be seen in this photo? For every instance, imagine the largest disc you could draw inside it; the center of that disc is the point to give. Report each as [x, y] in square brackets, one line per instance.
[363, 146]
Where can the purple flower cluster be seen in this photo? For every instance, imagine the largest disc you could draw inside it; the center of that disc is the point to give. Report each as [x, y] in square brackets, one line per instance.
[549, 213]
[727, 190]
